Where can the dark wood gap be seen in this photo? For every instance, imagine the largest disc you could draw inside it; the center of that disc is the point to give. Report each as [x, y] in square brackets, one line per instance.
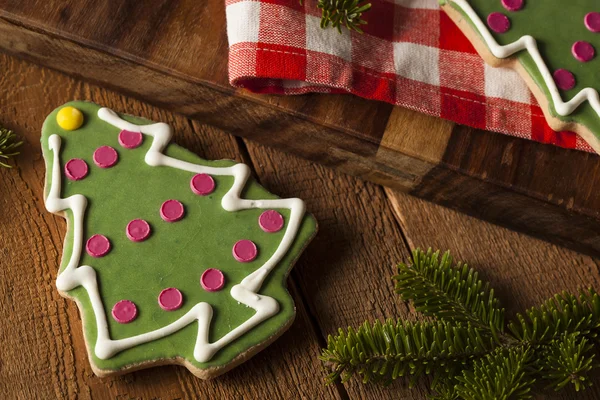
[400, 224]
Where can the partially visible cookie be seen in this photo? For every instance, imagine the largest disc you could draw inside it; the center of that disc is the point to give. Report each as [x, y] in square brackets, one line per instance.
[553, 44]
[171, 259]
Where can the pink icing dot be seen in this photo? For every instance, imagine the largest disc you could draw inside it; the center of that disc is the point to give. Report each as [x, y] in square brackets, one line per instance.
[171, 211]
[76, 169]
[129, 139]
[105, 157]
[212, 280]
[270, 221]
[97, 246]
[592, 21]
[498, 22]
[124, 311]
[202, 184]
[244, 250]
[583, 51]
[170, 299]
[512, 5]
[138, 230]
[564, 79]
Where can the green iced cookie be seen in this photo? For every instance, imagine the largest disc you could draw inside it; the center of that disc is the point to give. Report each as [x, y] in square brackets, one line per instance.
[171, 259]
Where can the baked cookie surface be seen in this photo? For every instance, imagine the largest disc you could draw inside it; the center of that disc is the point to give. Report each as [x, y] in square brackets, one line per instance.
[171, 259]
[553, 44]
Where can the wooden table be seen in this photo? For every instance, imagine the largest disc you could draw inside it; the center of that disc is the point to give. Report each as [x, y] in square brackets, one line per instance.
[342, 279]
[174, 55]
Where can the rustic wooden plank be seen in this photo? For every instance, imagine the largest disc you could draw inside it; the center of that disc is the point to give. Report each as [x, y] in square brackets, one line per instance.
[345, 274]
[524, 271]
[41, 341]
[184, 69]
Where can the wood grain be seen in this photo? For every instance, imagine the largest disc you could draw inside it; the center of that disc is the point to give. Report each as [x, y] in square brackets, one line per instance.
[41, 341]
[182, 67]
[422, 136]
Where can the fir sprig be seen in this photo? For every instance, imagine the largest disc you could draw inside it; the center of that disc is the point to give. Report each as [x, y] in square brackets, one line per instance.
[343, 12]
[564, 313]
[439, 289]
[8, 146]
[465, 347]
[338, 13]
[386, 351]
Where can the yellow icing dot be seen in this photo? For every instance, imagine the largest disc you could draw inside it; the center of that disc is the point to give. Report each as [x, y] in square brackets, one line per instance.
[69, 118]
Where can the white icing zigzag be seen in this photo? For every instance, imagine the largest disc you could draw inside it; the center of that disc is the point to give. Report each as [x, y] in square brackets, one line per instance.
[246, 292]
[528, 43]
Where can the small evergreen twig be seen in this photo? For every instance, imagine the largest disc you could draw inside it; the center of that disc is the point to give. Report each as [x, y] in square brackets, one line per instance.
[385, 351]
[465, 347]
[338, 13]
[569, 360]
[8, 145]
[454, 293]
[562, 314]
[343, 12]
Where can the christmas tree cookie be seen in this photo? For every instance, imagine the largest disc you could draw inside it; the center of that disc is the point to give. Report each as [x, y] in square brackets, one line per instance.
[553, 44]
[171, 259]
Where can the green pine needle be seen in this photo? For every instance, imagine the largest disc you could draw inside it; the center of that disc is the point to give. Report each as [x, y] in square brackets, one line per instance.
[8, 145]
[564, 313]
[569, 360]
[451, 292]
[466, 347]
[343, 12]
[502, 375]
[444, 389]
[382, 352]
[338, 13]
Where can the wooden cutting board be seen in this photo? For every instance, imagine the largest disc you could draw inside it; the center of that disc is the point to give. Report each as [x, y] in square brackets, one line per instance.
[174, 54]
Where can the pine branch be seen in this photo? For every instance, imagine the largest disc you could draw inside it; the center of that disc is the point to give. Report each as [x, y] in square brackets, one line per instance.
[563, 314]
[382, 352]
[466, 348]
[569, 360]
[450, 292]
[8, 146]
[445, 389]
[504, 374]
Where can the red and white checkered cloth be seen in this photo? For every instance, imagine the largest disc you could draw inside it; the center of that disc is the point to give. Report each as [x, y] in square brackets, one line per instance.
[411, 55]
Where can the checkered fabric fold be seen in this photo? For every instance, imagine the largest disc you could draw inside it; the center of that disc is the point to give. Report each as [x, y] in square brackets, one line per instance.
[411, 55]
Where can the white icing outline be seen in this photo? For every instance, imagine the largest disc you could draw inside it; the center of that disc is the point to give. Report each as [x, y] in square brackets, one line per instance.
[245, 292]
[528, 43]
